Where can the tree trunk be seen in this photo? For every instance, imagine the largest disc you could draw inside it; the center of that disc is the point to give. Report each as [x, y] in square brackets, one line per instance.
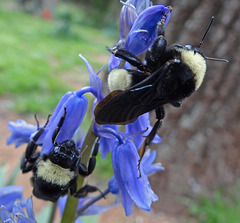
[200, 140]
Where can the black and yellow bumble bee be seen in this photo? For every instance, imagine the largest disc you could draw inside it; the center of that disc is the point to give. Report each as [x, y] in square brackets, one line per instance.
[170, 74]
[55, 174]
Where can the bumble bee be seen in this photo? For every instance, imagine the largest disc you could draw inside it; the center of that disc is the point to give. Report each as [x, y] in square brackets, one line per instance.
[55, 174]
[170, 74]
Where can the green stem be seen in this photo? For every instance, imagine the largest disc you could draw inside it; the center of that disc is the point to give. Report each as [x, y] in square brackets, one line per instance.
[53, 212]
[87, 146]
[69, 214]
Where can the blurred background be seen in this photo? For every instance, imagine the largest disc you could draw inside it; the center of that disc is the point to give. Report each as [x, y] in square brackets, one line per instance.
[39, 45]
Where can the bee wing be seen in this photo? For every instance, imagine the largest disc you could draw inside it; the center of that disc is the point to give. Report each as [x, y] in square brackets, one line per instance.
[122, 107]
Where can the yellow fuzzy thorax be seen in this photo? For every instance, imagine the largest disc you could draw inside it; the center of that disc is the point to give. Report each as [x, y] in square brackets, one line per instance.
[196, 63]
[53, 173]
[119, 79]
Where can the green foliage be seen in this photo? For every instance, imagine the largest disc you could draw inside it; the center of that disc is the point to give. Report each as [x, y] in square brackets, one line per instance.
[36, 62]
[221, 208]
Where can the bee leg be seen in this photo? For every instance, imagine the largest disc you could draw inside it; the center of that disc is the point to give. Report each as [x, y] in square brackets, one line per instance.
[85, 171]
[160, 114]
[31, 149]
[59, 125]
[128, 56]
[83, 192]
[156, 52]
[92, 161]
[176, 103]
[28, 165]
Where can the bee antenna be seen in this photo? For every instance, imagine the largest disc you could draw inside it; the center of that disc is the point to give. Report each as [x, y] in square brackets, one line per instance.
[35, 116]
[217, 59]
[208, 27]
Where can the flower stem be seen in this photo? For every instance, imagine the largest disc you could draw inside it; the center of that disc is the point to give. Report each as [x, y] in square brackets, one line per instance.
[69, 214]
[53, 213]
[88, 143]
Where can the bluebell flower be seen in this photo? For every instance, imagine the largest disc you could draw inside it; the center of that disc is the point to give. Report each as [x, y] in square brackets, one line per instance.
[18, 214]
[137, 27]
[21, 132]
[148, 168]
[106, 140]
[143, 32]
[129, 13]
[9, 194]
[76, 107]
[139, 129]
[127, 17]
[131, 188]
[95, 80]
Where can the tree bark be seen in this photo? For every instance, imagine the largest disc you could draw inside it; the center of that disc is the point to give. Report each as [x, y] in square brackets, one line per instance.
[200, 140]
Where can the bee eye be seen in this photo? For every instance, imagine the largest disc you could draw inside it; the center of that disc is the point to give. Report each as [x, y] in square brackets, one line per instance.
[189, 47]
[56, 150]
[72, 156]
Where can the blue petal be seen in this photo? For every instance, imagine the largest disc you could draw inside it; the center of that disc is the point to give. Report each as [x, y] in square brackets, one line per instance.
[147, 163]
[17, 209]
[5, 216]
[129, 12]
[113, 186]
[56, 111]
[19, 218]
[9, 194]
[139, 129]
[143, 32]
[135, 186]
[127, 17]
[29, 209]
[95, 81]
[79, 137]
[78, 220]
[126, 200]
[140, 5]
[21, 132]
[105, 143]
[75, 110]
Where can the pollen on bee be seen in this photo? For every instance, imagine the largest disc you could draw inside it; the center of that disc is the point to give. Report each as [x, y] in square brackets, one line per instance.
[119, 79]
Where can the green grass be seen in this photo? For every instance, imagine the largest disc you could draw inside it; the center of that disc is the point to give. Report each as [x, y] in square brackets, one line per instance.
[223, 207]
[37, 59]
